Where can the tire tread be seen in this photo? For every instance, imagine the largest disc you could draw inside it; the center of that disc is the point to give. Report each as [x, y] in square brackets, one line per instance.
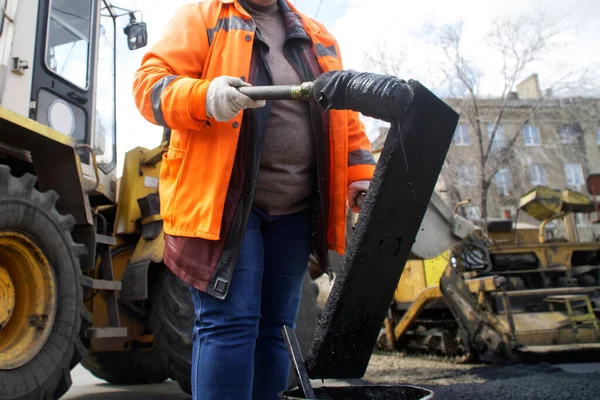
[46, 376]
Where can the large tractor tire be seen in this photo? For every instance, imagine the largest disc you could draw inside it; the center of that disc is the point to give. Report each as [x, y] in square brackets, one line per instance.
[43, 311]
[172, 320]
[133, 367]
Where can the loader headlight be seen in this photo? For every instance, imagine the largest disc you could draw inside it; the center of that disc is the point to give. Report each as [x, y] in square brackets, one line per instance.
[61, 117]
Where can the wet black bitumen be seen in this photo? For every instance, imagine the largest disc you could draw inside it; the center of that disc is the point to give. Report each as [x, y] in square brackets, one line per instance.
[471, 381]
[391, 216]
[379, 96]
[398, 392]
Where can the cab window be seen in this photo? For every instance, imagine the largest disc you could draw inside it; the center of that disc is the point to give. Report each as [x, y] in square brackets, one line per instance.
[68, 40]
[105, 132]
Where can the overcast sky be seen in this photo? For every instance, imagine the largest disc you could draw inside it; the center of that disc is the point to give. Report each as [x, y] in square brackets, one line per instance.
[401, 25]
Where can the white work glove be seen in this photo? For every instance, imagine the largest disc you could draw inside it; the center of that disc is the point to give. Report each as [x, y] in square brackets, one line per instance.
[224, 101]
[354, 190]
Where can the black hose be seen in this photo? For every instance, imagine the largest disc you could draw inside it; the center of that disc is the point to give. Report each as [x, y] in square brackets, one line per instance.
[474, 253]
[104, 228]
[383, 97]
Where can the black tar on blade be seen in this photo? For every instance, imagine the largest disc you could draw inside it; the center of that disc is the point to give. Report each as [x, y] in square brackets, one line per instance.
[388, 224]
[384, 97]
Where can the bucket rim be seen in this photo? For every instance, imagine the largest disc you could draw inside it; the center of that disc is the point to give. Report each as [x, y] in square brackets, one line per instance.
[428, 395]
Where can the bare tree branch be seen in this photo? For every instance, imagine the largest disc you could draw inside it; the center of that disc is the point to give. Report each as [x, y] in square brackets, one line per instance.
[518, 41]
[385, 60]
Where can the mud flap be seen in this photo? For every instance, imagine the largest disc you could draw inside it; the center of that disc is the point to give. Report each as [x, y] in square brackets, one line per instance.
[135, 282]
[135, 277]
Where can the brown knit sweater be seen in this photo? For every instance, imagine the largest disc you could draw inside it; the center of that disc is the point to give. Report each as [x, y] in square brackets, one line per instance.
[288, 162]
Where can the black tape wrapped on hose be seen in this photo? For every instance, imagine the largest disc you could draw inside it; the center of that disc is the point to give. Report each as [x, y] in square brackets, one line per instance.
[383, 97]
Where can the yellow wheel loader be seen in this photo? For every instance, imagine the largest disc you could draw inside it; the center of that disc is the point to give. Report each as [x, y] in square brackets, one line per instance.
[81, 256]
[515, 293]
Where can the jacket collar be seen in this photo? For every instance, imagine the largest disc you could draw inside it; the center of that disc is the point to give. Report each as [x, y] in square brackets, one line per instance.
[307, 22]
[293, 23]
[288, 7]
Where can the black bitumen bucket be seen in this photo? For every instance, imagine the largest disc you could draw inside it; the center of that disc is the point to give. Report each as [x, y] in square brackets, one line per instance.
[376, 392]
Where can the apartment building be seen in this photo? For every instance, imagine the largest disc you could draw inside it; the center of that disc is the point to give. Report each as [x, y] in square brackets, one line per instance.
[539, 141]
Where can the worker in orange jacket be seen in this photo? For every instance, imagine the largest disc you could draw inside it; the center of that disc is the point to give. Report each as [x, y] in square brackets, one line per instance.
[248, 189]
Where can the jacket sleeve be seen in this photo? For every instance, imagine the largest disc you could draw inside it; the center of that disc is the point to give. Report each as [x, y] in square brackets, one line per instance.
[361, 163]
[166, 87]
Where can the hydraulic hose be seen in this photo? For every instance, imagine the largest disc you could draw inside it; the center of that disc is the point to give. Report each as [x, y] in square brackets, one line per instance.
[383, 97]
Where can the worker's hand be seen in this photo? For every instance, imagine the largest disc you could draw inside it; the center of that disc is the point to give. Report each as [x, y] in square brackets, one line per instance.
[224, 101]
[356, 189]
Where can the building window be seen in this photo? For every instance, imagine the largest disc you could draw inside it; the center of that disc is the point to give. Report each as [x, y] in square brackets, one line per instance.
[467, 175]
[503, 182]
[569, 134]
[3, 5]
[597, 136]
[472, 213]
[537, 175]
[462, 137]
[499, 142]
[551, 225]
[508, 212]
[582, 219]
[574, 175]
[531, 135]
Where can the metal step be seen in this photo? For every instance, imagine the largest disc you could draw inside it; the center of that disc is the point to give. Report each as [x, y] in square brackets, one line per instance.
[549, 292]
[559, 347]
[103, 333]
[100, 284]
[104, 239]
[107, 278]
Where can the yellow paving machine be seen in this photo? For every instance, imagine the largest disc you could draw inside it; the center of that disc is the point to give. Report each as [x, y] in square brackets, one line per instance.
[506, 293]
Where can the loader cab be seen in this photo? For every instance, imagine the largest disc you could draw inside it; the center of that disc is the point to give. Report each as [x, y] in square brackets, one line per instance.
[73, 80]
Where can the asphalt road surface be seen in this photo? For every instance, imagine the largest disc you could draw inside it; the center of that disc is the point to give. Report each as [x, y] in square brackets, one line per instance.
[447, 380]
[472, 381]
[87, 387]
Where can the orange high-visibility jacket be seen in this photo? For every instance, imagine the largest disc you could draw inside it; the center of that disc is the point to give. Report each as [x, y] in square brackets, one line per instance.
[215, 38]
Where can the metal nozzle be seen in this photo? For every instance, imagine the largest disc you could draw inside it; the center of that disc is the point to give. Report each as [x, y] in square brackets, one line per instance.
[278, 92]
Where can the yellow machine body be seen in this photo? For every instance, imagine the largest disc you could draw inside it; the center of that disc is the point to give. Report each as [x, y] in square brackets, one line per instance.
[539, 296]
[139, 180]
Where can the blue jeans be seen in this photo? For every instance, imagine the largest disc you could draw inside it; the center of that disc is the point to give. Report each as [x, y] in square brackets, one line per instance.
[238, 350]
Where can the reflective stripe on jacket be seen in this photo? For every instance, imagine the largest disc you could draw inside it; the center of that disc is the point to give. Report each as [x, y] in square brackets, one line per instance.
[201, 42]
